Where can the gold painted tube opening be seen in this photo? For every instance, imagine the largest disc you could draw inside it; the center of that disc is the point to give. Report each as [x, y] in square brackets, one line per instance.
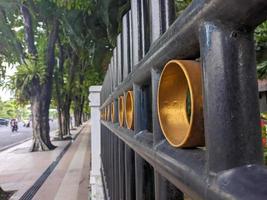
[121, 110]
[179, 102]
[102, 114]
[112, 112]
[105, 113]
[129, 109]
[108, 112]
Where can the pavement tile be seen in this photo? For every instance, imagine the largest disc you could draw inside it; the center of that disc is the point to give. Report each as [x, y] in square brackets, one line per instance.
[70, 179]
[19, 168]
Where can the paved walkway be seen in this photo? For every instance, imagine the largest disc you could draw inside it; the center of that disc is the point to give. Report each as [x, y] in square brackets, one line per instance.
[20, 169]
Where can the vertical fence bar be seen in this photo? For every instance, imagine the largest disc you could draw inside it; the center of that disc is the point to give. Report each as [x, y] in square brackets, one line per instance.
[138, 123]
[130, 40]
[112, 169]
[155, 19]
[115, 66]
[231, 109]
[116, 167]
[168, 13]
[144, 179]
[165, 190]
[119, 59]
[138, 126]
[145, 27]
[121, 170]
[125, 44]
[111, 74]
[157, 132]
[143, 171]
[136, 31]
[129, 174]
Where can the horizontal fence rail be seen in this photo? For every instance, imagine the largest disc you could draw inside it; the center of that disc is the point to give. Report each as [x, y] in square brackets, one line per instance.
[171, 127]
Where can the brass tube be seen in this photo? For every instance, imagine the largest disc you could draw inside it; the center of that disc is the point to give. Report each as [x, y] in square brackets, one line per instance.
[129, 110]
[108, 112]
[102, 114]
[121, 110]
[112, 112]
[180, 82]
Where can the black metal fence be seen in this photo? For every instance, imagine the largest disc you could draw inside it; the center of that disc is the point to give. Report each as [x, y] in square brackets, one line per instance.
[139, 163]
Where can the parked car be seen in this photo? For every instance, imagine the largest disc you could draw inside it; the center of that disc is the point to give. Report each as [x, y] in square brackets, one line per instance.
[4, 122]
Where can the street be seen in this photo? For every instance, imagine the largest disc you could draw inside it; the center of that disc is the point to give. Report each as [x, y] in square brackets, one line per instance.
[8, 138]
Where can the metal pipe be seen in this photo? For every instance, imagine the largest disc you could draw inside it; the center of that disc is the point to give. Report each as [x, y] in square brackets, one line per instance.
[105, 113]
[108, 112]
[121, 110]
[112, 112]
[129, 109]
[181, 120]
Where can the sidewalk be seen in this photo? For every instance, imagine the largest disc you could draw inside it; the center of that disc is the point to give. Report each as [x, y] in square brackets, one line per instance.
[68, 178]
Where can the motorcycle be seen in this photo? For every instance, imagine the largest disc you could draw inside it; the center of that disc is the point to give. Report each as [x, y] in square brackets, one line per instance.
[14, 128]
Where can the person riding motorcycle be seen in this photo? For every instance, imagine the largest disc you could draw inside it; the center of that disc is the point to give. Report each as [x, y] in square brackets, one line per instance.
[14, 125]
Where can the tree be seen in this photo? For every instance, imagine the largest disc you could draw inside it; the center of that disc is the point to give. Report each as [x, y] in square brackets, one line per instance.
[79, 34]
[33, 80]
[39, 89]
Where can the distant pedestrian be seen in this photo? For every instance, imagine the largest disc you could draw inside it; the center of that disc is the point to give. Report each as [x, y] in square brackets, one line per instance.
[14, 125]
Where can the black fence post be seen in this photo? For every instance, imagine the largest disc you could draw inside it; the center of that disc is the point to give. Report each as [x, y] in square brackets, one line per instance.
[122, 187]
[136, 31]
[231, 109]
[129, 173]
[168, 13]
[126, 45]
[119, 59]
[165, 190]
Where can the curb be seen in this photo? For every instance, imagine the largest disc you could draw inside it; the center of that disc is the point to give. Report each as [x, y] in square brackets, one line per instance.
[15, 144]
[20, 142]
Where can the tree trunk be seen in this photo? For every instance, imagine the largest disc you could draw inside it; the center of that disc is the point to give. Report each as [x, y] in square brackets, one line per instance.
[42, 98]
[77, 112]
[66, 118]
[59, 85]
[29, 35]
[40, 93]
[40, 122]
[60, 133]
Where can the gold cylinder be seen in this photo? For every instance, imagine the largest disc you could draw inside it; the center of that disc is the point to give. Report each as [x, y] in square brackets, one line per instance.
[121, 110]
[108, 112]
[112, 112]
[129, 110]
[105, 113]
[102, 114]
[180, 88]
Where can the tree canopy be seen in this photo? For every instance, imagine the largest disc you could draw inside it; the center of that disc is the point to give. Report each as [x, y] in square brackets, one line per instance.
[57, 46]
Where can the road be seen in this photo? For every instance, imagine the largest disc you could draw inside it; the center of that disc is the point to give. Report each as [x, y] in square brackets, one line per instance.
[8, 138]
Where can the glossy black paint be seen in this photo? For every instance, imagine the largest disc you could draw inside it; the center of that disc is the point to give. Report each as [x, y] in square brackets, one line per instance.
[230, 166]
[231, 106]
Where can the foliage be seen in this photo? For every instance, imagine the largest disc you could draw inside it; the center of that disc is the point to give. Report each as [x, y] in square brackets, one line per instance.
[26, 74]
[180, 5]
[11, 109]
[262, 70]
[261, 49]
[261, 35]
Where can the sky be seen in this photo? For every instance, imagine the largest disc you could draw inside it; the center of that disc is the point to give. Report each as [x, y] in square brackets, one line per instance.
[6, 94]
